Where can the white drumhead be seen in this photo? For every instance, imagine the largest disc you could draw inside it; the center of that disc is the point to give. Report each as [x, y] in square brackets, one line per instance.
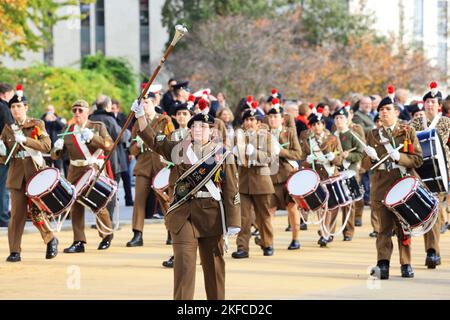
[442, 164]
[85, 178]
[400, 191]
[42, 181]
[302, 182]
[161, 180]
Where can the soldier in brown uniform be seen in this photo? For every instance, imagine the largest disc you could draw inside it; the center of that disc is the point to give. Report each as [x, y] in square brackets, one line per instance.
[287, 147]
[253, 150]
[379, 141]
[27, 133]
[148, 164]
[433, 102]
[202, 219]
[89, 136]
[326, 155]
[352, 154]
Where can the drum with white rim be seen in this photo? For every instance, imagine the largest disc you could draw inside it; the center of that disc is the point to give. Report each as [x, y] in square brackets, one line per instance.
[101, 193]
[338, 195]
[161, 180]
[51, 192]
[413, 204]
[305, 188]
[433, 171]
[351, 185]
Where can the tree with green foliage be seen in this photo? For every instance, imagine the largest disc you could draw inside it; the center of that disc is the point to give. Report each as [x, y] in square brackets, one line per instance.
[28, 24]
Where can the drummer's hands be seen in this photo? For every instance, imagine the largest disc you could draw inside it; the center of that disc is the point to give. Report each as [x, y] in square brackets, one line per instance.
[138, 108]
[330, 156]
[395, 155]
[2, 148]
[87, 134]
[371, 152]
[231, 231]
[20, 138]
[310, 159]
[59, 144]
[250, 149]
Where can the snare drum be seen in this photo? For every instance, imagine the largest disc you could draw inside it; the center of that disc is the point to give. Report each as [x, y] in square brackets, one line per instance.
[338, 196]
[101, 194]
[413, 204]
[305, 188]
[50, 192]
[433, 171]
[351, 185]
[161, 180]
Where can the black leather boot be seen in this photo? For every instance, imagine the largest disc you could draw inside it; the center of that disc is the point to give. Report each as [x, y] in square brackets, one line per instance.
[168, 263]
[169, 238]
[407, 271]
[76, 247]
[381, 271]
[137, 240]
[240, 254]
[14, 257]
[432, 259]
[52, 249]
[106, 242]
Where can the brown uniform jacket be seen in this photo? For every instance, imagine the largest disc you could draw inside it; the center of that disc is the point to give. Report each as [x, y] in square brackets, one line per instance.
[21, 170]
[147, 161]
[329, 143]
[101, 140]
[204, 213]
[291, 151]
[382, 180]
[255, 170]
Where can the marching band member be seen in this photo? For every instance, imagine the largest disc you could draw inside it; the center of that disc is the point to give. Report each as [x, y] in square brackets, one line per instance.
[352, 155]
[84, 141]
[23, 138]
[326, 155]
[148, 164]
[286, 141]
[384, 141]
[253, 151]
[432, 118]
[206, 206]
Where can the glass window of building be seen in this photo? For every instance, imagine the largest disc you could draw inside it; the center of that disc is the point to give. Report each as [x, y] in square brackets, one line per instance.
[85, 36]
[100, 26]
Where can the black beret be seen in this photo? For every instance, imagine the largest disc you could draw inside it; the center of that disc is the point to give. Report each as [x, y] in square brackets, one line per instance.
[433, 93]
[179, 85]
[200, 117]
[341, 112]
[314, 118]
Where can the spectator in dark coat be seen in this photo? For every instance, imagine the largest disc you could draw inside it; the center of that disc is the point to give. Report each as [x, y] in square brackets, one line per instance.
[169, 97]
[54, 126]
[118, 158]
[6, 93]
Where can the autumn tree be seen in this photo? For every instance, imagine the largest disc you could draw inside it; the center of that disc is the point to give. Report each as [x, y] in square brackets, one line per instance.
[28, 24]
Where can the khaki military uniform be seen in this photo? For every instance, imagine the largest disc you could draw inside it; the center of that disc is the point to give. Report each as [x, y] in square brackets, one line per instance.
[382, 180]
[21, 170]
[255, 186]
[327, 143]
[352, 162]
[148, 164]
[433, 236]
[292, 151]
[78, 167]
[197, 223]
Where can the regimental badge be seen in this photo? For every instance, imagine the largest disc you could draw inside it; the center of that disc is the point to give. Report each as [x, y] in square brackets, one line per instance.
[202, 171]
[182, 189]
[237, 199]
[160, 137]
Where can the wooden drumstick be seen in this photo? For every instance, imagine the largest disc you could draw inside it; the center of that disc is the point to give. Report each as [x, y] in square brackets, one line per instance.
[384, 159]
[358, 138]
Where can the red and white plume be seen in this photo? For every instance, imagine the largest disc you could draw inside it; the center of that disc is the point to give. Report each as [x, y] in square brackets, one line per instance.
[191, 101]
[274, 93]
[19, 90]
[276, 103]
[391, 92]
[254, 105]
[312, 108]
[347, 105]
[434, 88]
[203, 106]
[205, 95]
[249, 101]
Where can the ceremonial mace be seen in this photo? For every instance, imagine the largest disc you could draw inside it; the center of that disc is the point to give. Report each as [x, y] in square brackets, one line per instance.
[180, 31]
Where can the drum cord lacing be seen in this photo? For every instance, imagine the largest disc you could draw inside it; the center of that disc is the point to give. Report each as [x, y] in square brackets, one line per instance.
[100, 225]
[325, 232]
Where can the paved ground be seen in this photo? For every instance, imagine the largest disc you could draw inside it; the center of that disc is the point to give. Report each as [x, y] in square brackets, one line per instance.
[337, 272]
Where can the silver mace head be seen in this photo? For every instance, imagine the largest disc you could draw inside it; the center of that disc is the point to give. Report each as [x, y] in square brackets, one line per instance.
[180, 31]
